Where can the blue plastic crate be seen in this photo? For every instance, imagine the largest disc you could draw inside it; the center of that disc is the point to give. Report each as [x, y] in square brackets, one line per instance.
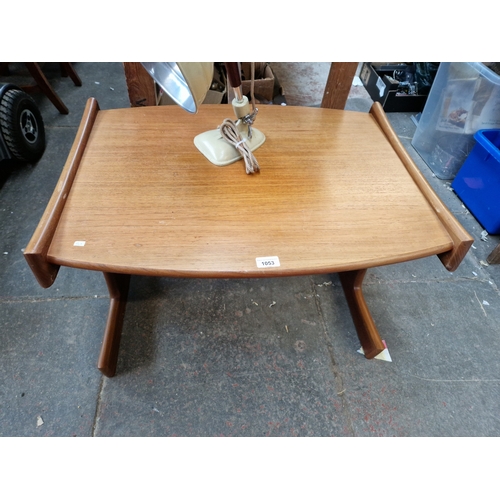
[478, 181]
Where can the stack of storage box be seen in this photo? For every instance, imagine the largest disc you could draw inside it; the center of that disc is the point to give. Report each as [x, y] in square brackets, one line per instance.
[465, 98]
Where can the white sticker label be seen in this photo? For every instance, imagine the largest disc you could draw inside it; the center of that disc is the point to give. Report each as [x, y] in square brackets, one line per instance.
[381, 86]
[267, 261]
[79, 244]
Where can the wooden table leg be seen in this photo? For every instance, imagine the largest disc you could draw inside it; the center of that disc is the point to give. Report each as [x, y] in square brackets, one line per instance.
[339, 84]
[118, 285]
[367, 331]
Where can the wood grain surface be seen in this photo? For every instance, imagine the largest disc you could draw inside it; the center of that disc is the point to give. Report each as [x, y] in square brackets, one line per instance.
[462, 241]
[38, 247]
[338, 84]
[332, 195]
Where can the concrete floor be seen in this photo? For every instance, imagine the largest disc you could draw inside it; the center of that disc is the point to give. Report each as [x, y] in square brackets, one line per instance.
[211, 357]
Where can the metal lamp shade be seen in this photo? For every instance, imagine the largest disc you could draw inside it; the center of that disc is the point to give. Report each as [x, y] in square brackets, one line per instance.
[186, 83]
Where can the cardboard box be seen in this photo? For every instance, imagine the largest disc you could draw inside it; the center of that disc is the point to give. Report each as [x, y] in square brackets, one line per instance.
[386, 90]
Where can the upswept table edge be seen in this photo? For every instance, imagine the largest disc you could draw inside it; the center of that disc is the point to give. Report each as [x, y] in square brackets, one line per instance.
[36, 251]
[461, 239]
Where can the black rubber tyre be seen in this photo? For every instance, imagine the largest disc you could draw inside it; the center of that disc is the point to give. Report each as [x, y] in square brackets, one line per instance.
[21, 125]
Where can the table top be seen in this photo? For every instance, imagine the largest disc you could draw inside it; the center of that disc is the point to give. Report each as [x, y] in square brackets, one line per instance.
[332, 195]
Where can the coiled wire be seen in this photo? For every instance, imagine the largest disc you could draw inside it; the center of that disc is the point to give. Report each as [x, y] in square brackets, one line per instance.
[231, 134]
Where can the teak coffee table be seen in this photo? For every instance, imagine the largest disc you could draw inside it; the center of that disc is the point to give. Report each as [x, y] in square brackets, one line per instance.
[337, 192]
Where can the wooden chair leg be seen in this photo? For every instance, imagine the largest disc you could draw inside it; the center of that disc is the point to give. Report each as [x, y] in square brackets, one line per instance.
[367, 331]
[118, 285]
[68, 70]
[45, 87]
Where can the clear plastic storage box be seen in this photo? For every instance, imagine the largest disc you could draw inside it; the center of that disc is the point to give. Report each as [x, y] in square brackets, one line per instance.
[464, 98]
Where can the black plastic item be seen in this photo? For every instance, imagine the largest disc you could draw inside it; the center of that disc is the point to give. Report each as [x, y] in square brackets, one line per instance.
[425, 72]
[394, 95]
[21, 126]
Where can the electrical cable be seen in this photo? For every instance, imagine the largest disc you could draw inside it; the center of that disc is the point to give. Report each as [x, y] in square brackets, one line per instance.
[229, 131]
[231, 134]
